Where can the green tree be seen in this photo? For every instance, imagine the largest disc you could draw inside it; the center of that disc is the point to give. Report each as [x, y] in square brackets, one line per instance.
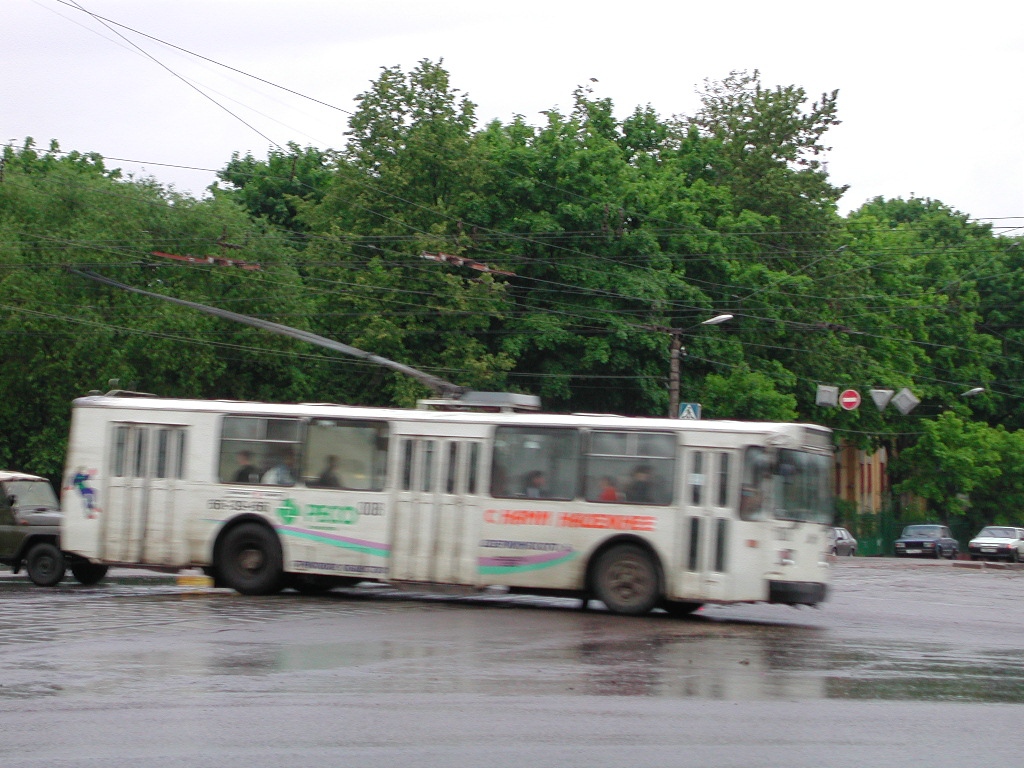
[581, 211]
[273, 188]
[1001, 499]
[951, 460]
[59, 210]
[746, 394]
[907, 294]
[772, 149]
[999, 276]
[401, 185]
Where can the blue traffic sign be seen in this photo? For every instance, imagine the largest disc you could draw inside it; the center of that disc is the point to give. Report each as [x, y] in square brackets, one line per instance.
[689, 410]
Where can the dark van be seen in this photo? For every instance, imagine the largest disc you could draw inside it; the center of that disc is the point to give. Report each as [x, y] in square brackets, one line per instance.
[30, 532]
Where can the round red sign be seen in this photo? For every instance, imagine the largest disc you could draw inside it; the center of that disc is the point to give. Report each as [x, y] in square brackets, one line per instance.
[849, 399]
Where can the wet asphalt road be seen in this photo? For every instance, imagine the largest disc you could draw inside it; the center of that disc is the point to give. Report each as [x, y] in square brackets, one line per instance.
[909, 663]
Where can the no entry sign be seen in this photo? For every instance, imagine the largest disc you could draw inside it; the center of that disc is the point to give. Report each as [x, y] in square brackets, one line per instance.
[849, 399]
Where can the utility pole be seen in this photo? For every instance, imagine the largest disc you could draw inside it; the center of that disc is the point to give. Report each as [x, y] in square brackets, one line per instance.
[675, 352]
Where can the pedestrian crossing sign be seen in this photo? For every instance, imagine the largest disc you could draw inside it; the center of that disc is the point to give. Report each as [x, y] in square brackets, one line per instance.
[689, 410]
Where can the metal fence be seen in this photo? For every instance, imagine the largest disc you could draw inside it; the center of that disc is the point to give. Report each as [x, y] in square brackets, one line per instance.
[876, 532]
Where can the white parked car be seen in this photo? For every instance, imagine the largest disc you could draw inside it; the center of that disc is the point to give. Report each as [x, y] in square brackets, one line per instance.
[998, 541]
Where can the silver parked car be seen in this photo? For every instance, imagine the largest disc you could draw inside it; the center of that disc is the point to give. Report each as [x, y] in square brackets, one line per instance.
[841, 542]
[998, 541]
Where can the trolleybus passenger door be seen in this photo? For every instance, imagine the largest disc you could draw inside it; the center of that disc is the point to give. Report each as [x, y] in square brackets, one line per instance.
[413, 509]
[138, 516]
[431, 538]
[125, 499]
[455, 531]
[163, 535]
[708, 527]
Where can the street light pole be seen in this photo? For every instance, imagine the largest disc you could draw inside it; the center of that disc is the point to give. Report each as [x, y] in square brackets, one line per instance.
[675, 353]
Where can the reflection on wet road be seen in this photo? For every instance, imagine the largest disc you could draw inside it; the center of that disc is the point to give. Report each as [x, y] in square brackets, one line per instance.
[890, 633]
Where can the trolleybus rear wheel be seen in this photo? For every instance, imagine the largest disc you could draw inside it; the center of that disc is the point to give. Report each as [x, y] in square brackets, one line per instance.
[626, 580]
[88, 573]
[309, 584]
[249, 560]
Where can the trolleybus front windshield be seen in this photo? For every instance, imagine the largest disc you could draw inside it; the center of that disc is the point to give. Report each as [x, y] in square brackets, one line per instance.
[791, 485]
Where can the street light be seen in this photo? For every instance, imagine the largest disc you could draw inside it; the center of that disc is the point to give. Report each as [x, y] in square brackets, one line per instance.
[676, 348]
[972, 392]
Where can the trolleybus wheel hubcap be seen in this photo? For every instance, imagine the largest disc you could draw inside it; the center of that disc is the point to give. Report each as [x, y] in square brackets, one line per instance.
[626, 580]
[251, 559]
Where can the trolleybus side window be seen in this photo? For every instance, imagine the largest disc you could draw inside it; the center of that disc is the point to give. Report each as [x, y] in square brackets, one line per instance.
[721, 541]
[473, 472]
[160, 460]
[170, 454]
[693, 551]
[756, 485]
[630, 467]
[451, 467]
[723, 480]
[406, 470]
[535, 462]
[120, 448]
[260, 447]
[131, 455]
[696, 478]
[346, 454]
[180, 450]
[139, 462]
[459, 467]
[427, 471]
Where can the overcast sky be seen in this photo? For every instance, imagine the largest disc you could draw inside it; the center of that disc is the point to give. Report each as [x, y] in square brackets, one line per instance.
[929, 93]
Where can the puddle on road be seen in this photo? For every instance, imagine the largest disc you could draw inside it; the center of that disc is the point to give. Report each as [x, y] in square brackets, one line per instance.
[174, 641]
[925, 673]
[754, 663]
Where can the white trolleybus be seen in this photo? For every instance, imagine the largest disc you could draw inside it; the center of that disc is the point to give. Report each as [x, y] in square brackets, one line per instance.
[635, 512]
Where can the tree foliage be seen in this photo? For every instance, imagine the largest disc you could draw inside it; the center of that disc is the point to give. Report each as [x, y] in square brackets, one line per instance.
[558, 258]
[952, 459]
[72, 335]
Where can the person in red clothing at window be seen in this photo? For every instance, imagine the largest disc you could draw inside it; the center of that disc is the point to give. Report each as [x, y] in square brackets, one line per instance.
[608, 490]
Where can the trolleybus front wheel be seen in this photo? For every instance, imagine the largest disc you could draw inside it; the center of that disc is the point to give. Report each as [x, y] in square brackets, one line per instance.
[680, 608]
[249, 560]
[626, 580]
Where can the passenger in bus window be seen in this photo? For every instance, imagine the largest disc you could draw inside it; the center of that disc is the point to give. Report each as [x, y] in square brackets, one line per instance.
[283, 472]
[329, 477]
[247, 471]
[641, 486]
[536, 485]
[609, 489]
